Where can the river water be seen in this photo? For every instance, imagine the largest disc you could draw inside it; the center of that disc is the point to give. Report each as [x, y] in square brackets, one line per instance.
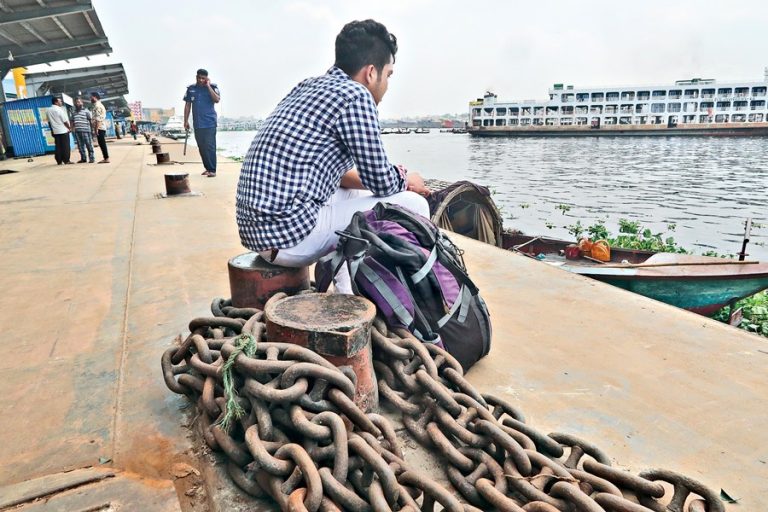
[701, 187]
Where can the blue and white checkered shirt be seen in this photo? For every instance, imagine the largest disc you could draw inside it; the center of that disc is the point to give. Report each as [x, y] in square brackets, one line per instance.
[322, 129]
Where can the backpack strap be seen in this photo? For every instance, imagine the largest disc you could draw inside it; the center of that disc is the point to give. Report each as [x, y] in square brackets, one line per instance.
[386, 293]
[424, 270]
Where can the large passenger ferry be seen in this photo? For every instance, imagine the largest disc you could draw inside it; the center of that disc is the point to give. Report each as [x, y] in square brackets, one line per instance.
[689, 107]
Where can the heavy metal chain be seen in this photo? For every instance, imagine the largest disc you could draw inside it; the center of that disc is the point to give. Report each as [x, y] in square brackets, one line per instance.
[285, 418]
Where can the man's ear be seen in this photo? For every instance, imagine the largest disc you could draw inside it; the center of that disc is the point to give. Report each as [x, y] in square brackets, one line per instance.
[370, 73]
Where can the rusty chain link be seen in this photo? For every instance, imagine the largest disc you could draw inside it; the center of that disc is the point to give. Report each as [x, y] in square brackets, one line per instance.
[302, 440]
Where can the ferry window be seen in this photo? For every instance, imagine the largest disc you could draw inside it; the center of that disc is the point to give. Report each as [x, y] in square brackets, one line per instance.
[673, 107]
[596, 110]
[628, 95]
[707, 104]
[610, 120]
[582, 96]
[566, 110]
[723, 105]
[581, 120]
[627, 108]
[625, 120]
[513, 122]
[704, 119]
[707, 93]
[740, 105]
[476, 111]
[501, 111]
[657, 108]
[756, 104]
[659, 94]
[612, 96]
[567, 121]
[722, 118]
[742, 91]
[488, 110]
[611, 109]
[537, 111]
[551, 121]
[487, 122]
[643, 95]
[756, 118]
[738, 118]
[724, 91]
[525, 122]
[675, 94]
[565, 98]
[501, 122]
[758, 91]
[691, 93]
[538, 122]
[597, 96]
[690, 106]
[641, 108]
[552, 110]
[475, 122]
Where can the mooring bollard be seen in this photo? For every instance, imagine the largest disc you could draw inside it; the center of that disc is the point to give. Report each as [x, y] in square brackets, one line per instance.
[157, 148]
[336, 326]
[163, 158]
[177, 183]
[252, 280]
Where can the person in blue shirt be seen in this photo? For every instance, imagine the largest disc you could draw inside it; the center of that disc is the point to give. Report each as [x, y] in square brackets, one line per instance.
[199, 100]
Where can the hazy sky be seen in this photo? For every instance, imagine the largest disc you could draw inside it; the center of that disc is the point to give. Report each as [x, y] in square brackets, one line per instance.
[450, 51]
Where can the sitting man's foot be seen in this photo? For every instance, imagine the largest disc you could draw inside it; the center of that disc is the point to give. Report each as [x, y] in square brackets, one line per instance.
[81, 161]
[69, 163]
[105, 161]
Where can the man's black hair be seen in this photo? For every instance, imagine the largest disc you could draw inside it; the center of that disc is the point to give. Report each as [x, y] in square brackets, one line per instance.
[96, 95]
[202, 72]
[54, 100]
[361, 43]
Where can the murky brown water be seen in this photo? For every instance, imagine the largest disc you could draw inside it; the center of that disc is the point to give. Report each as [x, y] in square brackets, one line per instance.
[705, 186]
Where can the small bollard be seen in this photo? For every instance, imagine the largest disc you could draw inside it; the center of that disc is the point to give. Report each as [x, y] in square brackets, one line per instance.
[163, 158]
[336, 326]
[157, 148]
[252, 280]
[177, 183]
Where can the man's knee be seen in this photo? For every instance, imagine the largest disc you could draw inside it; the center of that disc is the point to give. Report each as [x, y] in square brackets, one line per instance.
[412, 201]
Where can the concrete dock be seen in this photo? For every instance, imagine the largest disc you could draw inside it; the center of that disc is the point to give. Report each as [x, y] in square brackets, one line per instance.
[99, 274]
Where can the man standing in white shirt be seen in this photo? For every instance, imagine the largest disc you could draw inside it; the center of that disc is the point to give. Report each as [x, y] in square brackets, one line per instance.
[58, 120]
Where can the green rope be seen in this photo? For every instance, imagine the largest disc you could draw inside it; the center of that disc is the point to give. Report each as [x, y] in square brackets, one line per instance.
[246, 344]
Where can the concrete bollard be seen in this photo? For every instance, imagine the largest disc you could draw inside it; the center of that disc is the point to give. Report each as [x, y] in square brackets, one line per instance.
[252, 280]
[163, 158]
[336, 326]
[177, 183]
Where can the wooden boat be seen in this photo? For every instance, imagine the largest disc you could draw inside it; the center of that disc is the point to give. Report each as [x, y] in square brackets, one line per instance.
[700, 284]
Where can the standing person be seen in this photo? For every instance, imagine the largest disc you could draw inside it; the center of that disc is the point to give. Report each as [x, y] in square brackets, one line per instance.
[133, 129]
[83, 122]
[100, 125]
[200, 99]
[318, 158]
[58, 121]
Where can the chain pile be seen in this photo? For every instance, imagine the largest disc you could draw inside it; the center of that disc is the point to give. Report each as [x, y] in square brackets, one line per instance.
[298, 437]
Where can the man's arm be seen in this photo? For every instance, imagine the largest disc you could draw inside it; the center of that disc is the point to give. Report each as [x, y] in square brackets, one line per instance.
[414, 182]
[187, 108]
[358, 128]
[215, 96]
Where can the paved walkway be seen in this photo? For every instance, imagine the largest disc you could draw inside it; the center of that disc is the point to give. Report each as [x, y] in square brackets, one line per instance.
[99, 275]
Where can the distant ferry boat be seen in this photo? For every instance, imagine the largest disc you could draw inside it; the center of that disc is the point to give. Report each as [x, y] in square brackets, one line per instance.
[689, 107]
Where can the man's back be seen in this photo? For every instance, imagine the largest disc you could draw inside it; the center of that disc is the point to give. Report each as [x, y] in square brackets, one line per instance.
[323, 128]
[57, 116]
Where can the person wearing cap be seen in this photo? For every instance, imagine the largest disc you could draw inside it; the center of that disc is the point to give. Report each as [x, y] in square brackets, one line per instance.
[200, 99]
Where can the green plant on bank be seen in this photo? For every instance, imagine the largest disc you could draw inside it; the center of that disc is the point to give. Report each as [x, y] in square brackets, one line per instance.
[755, 312]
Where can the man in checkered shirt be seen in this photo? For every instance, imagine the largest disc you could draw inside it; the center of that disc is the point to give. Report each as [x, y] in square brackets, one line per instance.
[318, 158]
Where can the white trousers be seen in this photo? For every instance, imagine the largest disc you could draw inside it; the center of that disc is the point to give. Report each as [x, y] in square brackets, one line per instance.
[334, 216]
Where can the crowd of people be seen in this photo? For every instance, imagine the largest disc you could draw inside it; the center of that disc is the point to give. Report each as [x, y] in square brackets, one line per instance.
[84, 124]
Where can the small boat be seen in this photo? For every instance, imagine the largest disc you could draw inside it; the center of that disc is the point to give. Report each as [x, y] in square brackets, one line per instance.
[174, 128]
[701, 284]
[421, 130]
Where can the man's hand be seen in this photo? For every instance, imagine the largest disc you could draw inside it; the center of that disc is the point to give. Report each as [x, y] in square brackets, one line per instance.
[186, 125]
[416, 184]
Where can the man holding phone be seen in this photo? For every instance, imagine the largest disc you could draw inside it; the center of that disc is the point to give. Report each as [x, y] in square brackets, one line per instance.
[200, 99]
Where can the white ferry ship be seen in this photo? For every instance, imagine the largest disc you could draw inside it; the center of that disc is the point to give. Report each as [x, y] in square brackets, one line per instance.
[689, 107]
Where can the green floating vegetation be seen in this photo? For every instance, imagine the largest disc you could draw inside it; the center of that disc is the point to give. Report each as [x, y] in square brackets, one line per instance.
[632, 235]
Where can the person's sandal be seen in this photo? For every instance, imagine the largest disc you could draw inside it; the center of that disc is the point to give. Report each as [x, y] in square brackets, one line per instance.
[211, 175]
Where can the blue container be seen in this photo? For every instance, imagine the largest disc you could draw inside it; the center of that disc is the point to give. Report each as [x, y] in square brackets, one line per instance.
[28, 128]
[109, 121]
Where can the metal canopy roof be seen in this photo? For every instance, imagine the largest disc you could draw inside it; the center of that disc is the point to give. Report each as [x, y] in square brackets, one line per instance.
[108, 81]
[41, 31]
